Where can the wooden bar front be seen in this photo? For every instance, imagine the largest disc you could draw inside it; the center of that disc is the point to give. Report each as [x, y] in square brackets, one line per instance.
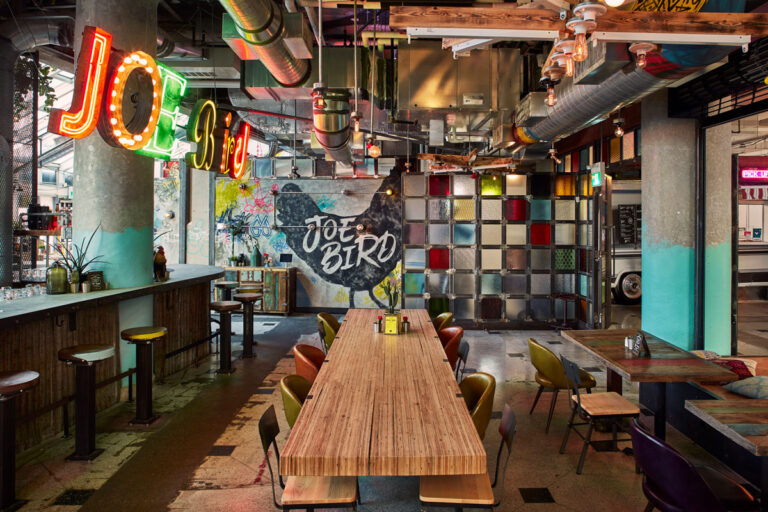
[384, 405]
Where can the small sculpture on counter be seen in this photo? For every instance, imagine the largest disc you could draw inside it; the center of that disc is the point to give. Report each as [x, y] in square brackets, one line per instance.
[159, 265]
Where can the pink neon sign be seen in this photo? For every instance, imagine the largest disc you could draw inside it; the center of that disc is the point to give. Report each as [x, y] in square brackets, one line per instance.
[754, 174]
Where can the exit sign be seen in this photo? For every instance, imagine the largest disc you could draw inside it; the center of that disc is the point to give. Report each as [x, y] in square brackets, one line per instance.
[754, 174]
[597, 173]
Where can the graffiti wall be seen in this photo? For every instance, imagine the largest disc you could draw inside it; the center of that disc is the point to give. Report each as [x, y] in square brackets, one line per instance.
[343, 236]
[166, 219]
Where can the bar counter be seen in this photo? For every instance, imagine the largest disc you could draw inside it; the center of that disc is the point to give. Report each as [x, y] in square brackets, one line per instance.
[34, 329]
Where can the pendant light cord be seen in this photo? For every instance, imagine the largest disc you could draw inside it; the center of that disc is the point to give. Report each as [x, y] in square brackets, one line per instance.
[354, 45]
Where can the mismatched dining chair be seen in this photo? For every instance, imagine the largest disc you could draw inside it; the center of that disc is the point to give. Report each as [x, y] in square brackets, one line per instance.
[442, 321]
[304, 492]
[450, 337]
[294, 389]
[672, 484]
[472, 491]
[461, 365]
[478, 390]
[550, 376]
[610, 407]
[308, 361]
[327, 326]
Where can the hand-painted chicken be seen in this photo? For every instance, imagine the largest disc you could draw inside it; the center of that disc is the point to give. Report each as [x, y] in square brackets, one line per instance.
[357, 252]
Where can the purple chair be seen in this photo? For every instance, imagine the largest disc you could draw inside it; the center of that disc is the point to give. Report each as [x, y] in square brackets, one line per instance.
[672, 484]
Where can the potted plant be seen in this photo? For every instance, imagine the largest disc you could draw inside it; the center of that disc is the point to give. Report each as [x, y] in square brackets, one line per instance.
[391, 288]
[77, 262]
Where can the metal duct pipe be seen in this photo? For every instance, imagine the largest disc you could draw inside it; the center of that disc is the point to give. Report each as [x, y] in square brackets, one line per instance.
[169, 47]
[22, 35]
[331, 123]
[260, 22]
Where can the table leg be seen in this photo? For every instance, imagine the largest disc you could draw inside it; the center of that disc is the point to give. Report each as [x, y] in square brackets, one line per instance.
[225, 348]
[7, 453]
[85, 413]
[247, 330]
[613, 382]
[144, 414]
[764, 484]
[660, 416]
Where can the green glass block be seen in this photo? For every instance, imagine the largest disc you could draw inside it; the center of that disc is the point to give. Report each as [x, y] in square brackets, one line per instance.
[541, 209]
[565, 259]
[490, 186]
[438, 305]
[414, 283]
[490, 284]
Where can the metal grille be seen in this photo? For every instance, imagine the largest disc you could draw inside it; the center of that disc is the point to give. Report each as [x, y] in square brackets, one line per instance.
[24, 139]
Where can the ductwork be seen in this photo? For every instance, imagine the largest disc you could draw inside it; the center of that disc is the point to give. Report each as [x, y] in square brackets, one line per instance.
[26, 34]
[260, 23]
[331, 123]
[170, 48]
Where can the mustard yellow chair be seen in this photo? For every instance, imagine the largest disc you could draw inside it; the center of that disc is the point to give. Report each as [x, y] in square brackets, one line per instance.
[442, 321]
[550, 376]
[294, 389]
[328, 326]
[478, 390]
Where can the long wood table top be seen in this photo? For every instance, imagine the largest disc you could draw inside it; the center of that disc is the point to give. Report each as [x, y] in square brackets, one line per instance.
[384, 405]
[667, 363]
[745, 422]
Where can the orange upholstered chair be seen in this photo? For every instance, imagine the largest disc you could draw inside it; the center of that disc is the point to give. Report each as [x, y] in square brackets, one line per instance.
[450, 337]
[308, 360]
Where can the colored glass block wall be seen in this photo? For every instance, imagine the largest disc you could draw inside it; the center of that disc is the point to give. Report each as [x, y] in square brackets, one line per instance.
[491, 249]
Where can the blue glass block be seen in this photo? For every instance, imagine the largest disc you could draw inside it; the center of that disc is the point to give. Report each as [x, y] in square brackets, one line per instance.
[415, 258]
[414, 303]
[583, 285]
[541, 209]
[414, 283]
[490, 284]
[464, 234]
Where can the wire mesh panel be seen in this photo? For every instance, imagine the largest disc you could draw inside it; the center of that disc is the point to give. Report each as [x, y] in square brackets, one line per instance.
[24, 140]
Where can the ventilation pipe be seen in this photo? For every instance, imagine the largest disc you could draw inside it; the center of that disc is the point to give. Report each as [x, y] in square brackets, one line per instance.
[331, 123]
[260, 22]
[171, 48]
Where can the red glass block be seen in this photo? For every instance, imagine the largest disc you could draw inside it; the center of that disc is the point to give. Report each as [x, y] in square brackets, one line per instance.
[575, 161]
[439, 185]
[541, 234]
[517, 209]
[439, 259]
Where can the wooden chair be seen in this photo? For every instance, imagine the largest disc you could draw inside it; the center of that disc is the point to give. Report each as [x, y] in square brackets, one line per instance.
[461, 365]
[304, 492]
[450, 337]
[478, 390]
[308, 361]
[473, 491]
[442, 321]
[550, 376]
[611, 407]
[294, 389]
[328, 326]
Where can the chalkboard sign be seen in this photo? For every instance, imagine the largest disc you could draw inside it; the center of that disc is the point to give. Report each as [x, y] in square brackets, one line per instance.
[96, 278]
[629, 224]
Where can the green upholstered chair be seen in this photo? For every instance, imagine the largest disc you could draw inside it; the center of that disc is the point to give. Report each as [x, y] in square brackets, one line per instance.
[551, 376]
[294, 389]
[442, 321]
[328, 326]
[478, 390]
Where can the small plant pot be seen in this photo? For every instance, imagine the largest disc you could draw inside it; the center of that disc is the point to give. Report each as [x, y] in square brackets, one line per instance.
[85, 286]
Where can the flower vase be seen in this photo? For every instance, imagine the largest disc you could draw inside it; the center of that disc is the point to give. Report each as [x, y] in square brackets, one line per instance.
[256, 257]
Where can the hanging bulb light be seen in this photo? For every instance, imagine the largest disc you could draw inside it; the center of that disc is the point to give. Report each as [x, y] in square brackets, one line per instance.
[356, 121]
[584, 23]
[551, 99]
[614, 3]
[581, 50]
[619, 123]
[318, 96]
[641, 51]
[553, 155]
[374, 151]
[565, 47]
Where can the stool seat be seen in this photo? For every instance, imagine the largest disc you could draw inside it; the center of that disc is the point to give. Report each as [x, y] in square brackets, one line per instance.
[226, 284]
[225, 305]
[248, 297]
[15, 382]
[84, 354]
[143, 333]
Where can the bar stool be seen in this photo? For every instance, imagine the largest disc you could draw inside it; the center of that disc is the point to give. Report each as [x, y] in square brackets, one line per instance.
[143, 337]
[12, 384]
[84, 357]
[248, 299]
[226, 288]
[253, 287]
[225, 309]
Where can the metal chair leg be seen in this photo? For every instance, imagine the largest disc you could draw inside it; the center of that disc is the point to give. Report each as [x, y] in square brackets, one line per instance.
[614, 428]
[649, 507]
[584, 450]
[359, 497]
[551, 410]
[568, 430]
[536, 400]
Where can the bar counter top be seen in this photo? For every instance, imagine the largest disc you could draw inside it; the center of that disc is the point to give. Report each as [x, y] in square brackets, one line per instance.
[42, 306]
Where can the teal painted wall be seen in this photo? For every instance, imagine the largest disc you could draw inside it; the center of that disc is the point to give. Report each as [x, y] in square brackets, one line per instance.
[668, 286]
[125, 260]
[717, 298]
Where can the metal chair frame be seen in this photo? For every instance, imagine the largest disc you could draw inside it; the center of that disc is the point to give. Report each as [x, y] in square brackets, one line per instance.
[268, 431]
[463, 355]
[574, 377]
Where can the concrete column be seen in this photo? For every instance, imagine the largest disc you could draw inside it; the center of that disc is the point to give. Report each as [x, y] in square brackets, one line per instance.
[7, 62]
[669, 166]
[717, 255]
[199, 227]
[114, 186]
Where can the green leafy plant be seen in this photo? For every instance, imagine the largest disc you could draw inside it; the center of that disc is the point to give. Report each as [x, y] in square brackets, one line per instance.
[24, 81]
[391, 288]
[75, 260]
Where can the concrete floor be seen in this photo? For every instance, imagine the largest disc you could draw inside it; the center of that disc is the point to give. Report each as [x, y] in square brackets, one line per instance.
[204, 454]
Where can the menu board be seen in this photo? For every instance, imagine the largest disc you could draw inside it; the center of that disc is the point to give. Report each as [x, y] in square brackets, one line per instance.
[630, 221]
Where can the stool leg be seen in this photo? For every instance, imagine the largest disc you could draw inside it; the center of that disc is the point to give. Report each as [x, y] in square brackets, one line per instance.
[7, 453]
[247, 330]
[225, 350]
[144, 414]
[226, 294]
[85, 413]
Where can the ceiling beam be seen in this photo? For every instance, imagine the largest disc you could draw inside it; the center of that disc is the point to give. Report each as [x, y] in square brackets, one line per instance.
[497, 18]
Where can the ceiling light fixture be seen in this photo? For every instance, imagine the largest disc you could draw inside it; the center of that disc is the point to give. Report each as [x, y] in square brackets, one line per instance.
[564, 62]
[551, 99]
[614, 3]
[584, 23]
[565, 47]
[374, 151]
[641, 51]
[553, 155]
[619, 123]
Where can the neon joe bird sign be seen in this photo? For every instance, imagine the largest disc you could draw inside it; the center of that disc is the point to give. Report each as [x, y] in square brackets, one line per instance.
[98, 103]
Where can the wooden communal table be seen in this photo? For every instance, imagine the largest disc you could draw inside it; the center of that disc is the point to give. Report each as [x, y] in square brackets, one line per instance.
[384, 405]
[667, 363]
[745, 422]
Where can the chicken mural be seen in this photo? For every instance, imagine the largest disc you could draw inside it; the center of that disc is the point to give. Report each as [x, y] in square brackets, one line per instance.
[356, 251]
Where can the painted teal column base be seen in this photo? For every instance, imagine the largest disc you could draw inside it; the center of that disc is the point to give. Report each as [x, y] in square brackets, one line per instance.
[668, 289]
[717, 298]
[126, 256]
